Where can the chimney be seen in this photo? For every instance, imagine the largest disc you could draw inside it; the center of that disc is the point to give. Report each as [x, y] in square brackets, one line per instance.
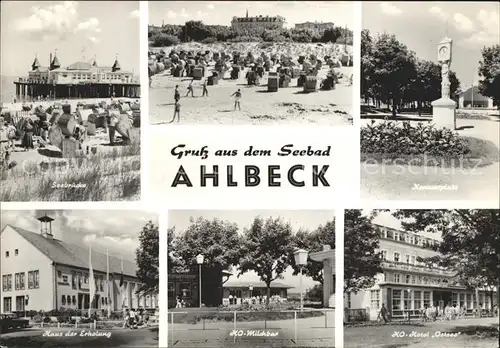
[326, 248]
[46, 226]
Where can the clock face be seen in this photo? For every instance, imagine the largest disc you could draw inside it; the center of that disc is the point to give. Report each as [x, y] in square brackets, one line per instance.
[443, 50]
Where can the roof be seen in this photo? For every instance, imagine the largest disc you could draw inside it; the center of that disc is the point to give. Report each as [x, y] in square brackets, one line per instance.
[238, 284]
[36, 63]
[469, 93]
[80, 66]
[116, 65]
[55, 62]
[73, 255]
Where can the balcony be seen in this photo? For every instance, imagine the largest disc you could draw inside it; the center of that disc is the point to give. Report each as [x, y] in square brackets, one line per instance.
[401, 266]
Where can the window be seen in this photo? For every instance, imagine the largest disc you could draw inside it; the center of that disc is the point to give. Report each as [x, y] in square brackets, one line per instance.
[171, 290]
[419, 279]
[19, 303]
[417, 299]
[74, 300]
[397, 278]
[396, 235]
[413, 279]
[384, 254]
[407, 258]
[6, 254]
[426, 280]
[413, 260]
[396, 300]
[33, 279]
[65, 279]
[407, 299]
[407, 279]
[396, 257]
[469, 301]
[59, 274]
[19, 279]
[375, 298]
[462, 300]
[7, 282]
[7, 304]
[427, 298]
[63, 300]
[386, 277]
[16, 252]
[186, 290]
[73, 280]
[390, 234]
[454, 299]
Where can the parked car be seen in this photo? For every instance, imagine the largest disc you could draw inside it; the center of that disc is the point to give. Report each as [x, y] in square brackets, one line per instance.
[9, 321]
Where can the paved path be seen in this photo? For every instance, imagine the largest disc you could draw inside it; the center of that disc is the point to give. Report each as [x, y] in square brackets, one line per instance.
[146, 337]
[429, 335]
[310, 332]
[394, 182]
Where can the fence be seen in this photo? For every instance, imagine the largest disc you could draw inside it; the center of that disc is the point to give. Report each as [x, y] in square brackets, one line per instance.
[308, 324]
[356, 315]
[95, 324]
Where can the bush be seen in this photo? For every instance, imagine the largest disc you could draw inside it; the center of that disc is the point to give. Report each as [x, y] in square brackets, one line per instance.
[37, 318]
[47, 320]
[388, 138]
[209, 40]
[161, 40]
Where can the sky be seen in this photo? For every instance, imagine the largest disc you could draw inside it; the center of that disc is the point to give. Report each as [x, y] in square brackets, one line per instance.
[77, 29]
[115, 230]
[305, 219]
[422, 25]
[222, 12]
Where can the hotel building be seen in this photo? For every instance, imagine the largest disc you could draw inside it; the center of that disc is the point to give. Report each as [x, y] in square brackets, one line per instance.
[42, 273]
[264, 22]
[82, 79]
[316, 27]
[407, 285]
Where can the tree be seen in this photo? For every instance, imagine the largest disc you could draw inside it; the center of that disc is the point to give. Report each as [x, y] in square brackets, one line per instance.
[314, 241]
[489, 72]
[366, 64]
[267, 248]
[315, 293]
[175, 263]
[470, 241]
[393, 67]
[331, 35]
[361, 258]
[217, 240]
[147, 258]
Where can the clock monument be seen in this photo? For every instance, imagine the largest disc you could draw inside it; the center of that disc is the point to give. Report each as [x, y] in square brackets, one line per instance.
[443, 109]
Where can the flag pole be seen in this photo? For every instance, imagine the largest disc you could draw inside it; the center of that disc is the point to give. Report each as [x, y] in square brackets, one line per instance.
[91, 276]
[108, 299]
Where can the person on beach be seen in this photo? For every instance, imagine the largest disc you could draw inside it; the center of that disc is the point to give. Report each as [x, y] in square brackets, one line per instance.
[237, 97]
[11, 133]
[4, 143]
[177, 111]
[205, 90]
[112, 128]
[190, 89]
[126, 316]
[177, 94]
[27, 142]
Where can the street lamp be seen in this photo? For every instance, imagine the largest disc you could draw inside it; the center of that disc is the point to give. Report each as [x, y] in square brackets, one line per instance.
[301, 260]
[199, 261]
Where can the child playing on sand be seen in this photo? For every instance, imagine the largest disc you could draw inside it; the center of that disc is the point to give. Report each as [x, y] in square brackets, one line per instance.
[237, 97]
[177, 111]
[205, 90]
[190, 89]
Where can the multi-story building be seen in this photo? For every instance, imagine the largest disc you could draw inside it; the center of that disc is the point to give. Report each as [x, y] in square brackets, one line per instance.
[265, 22]
[407, 285]
[316, 27]
[40, 272]
[82, 79]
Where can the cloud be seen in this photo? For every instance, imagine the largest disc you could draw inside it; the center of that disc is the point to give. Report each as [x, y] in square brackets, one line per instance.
[488, 32]
[171, 14]
[184, 13]
[56, 22]
[135, 14]
[463, 23]
[390, 9]
[210, 6]
[438, 12]
[201, 14]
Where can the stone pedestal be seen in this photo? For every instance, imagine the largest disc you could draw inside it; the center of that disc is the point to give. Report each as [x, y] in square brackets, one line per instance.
[443, 113]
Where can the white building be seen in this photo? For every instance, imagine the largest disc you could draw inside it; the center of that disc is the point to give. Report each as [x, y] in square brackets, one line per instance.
[407, 285]
[265, 22]
[40, 272]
